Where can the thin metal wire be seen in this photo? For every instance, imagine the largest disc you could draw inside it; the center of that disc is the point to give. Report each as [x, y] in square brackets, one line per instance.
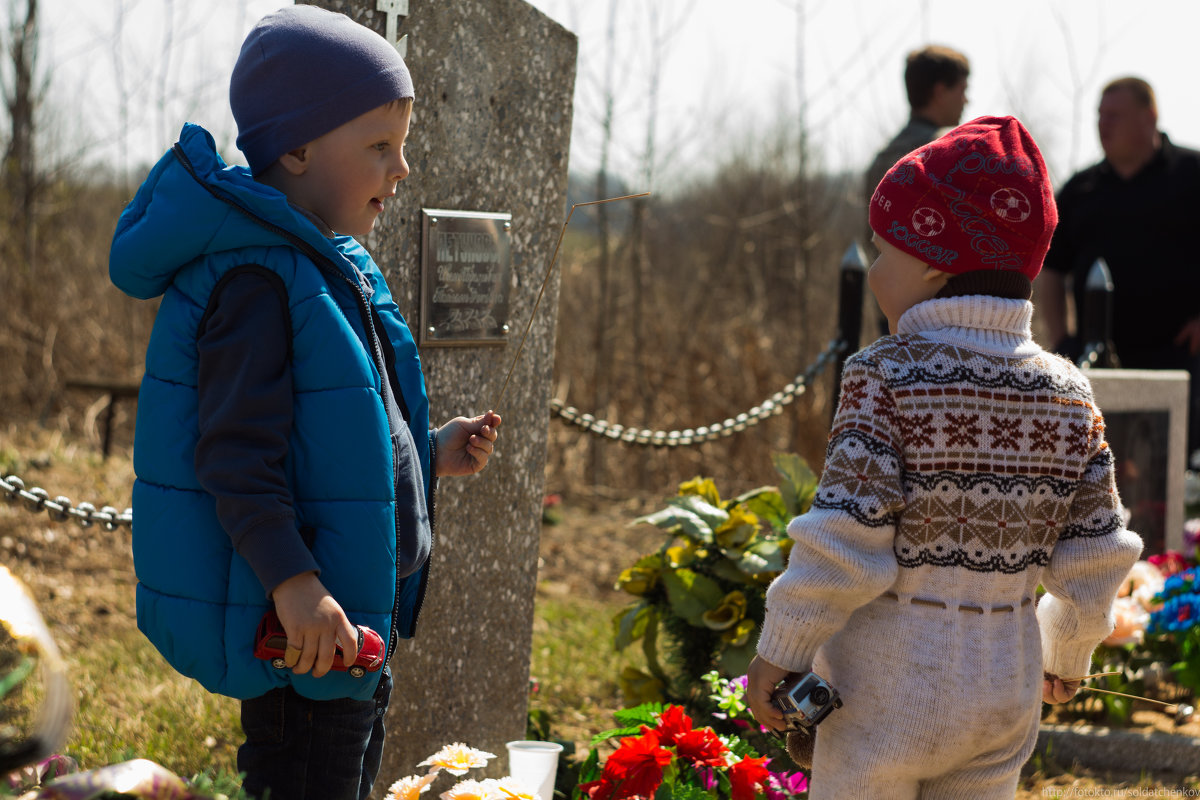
[1122, 694]
[545, 280]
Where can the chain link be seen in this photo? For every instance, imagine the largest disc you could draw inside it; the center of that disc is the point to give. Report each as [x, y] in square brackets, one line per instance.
[770, 407]
[60, 508]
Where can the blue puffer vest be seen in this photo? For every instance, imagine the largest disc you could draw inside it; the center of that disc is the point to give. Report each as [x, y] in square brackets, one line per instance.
[192, 221]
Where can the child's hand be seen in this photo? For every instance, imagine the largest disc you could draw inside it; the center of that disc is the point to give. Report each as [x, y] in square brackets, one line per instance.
[761, 679]
[1056, 690]
[464, 445]
[313, 621]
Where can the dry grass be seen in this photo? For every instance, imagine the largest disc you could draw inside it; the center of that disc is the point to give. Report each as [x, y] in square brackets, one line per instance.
[129, 703]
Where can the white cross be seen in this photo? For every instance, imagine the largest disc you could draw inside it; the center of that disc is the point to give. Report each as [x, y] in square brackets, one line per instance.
[394, 9]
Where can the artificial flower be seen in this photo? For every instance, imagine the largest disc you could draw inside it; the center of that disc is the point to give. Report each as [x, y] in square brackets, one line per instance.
[468, 790]
[782, 785]
[639, 687]
[1145, 580]
[457, 759]
[681, 555]
[673, 723]
[729, 695]
[1181, 603]
[739, 635]
[634, 770]
[731, 610]
[1170, 562]
[748, 777]
[739, 529]
[410, 788]
[1131, 619]
[1191, 533]
[701, 747]
[638, 580]
[704, 487]
[509, 788]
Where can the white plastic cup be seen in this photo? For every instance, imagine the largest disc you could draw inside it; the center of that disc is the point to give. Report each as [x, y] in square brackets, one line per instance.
[535, 765]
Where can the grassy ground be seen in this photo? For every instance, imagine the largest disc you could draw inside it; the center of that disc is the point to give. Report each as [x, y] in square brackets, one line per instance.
[129, 703]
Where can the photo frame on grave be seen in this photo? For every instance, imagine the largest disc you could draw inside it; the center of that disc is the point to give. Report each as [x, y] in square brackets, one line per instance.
[466, 277]
[1145, 417]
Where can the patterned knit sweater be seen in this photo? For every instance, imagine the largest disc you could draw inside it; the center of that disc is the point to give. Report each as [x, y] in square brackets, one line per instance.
[965, 466]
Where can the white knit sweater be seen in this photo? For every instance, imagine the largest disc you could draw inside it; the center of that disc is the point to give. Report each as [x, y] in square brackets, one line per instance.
[965, 467]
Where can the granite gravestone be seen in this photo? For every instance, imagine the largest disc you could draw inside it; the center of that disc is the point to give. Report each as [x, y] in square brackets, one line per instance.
[1145, 417]
[490, 133]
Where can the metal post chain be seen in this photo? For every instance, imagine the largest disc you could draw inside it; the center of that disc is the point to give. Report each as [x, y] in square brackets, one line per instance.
[770, 407]
[60, 508]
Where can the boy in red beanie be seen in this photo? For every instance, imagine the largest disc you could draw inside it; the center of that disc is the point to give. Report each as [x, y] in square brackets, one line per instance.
[965, 467]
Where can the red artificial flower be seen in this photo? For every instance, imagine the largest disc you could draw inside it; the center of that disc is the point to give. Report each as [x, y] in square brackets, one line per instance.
[748, 778]
[701, 747]
[634, 771]
[672, 724]
[1169, 563]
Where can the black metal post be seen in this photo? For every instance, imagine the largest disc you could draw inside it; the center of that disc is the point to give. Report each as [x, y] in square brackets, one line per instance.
[1095, 328]
[851, 277]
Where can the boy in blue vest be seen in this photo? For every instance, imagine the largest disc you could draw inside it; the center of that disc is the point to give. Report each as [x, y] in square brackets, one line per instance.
[283, 450]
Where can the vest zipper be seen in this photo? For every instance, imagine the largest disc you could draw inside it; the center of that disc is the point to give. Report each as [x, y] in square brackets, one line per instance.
[324, 264]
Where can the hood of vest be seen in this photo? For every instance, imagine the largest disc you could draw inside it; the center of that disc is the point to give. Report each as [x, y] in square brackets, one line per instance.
[193, 204]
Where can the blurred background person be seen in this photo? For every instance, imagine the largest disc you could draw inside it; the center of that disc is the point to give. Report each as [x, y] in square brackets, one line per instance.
[1137, 209]
[935, 80]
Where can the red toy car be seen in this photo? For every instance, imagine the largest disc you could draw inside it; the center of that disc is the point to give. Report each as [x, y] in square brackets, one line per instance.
[271, 641]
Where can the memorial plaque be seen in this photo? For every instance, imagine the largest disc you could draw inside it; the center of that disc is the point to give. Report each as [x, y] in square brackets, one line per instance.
[466, 277]
[1145, 417]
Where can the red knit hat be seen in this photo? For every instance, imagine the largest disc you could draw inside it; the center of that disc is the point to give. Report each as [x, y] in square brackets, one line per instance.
[978, 198]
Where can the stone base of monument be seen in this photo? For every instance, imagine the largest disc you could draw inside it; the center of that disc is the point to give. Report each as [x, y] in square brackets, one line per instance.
[1116, 750]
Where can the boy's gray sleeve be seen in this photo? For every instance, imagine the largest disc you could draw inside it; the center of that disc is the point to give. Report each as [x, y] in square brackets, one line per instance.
[245, 420]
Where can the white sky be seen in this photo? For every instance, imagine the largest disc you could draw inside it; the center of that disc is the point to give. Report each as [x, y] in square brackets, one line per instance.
[731, 76]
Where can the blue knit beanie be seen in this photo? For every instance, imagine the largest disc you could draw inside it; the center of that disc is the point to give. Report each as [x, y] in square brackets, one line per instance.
[304, 71]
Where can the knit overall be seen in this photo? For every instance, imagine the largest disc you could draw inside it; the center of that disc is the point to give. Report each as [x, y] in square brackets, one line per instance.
[965, 467]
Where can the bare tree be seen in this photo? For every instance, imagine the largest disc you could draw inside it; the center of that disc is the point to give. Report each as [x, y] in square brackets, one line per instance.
[603, 341]
[21, 100]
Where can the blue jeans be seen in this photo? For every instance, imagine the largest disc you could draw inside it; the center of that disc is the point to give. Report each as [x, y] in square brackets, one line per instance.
[302, 749]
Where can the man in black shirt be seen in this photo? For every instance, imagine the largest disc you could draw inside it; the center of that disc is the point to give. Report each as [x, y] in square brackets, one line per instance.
[1138, 210]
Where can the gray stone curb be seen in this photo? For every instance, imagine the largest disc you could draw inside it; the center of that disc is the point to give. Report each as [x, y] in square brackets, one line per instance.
[1119, 750]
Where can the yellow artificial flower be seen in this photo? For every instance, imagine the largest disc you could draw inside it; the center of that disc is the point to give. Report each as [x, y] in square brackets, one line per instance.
[468, 790]
[739, 529]
[638, 687]
[410, 788]
[727, 614]
[739, 634]
[681, 555]
[457, 759]
[638, 580]
[703, 487]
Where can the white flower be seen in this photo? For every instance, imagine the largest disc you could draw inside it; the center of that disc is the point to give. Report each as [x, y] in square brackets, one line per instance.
[510, 788]
[468, 790]
[457, 759]
[410, 788]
